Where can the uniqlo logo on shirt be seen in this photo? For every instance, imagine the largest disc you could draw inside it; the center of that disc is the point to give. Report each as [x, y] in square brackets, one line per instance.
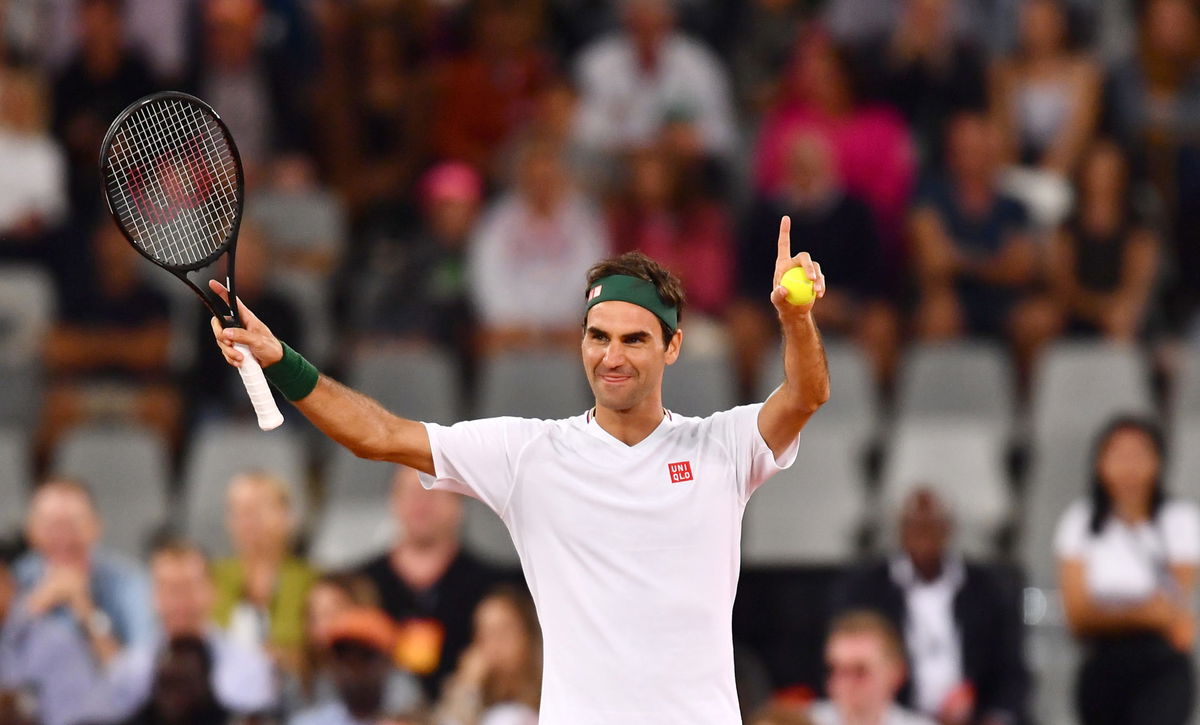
[680, 472]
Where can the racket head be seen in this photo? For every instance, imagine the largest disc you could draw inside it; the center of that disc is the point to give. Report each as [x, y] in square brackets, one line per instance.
[174, 185]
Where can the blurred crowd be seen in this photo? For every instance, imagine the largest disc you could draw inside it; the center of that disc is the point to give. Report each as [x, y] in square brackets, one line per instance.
[440, 174]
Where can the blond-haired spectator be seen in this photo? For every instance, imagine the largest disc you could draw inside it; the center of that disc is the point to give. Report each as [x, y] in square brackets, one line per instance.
[261, 589]
[33, 182]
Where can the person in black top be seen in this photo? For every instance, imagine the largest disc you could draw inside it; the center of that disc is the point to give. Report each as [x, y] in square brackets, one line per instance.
[427, 582]
[837, 228]
[961, 623]
[1104, 261]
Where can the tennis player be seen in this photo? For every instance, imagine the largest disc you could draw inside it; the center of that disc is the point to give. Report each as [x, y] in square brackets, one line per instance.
[627, 517]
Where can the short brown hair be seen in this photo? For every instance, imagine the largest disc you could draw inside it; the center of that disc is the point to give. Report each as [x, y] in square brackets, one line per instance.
[636, 264]
[173, 548]
[865, 621]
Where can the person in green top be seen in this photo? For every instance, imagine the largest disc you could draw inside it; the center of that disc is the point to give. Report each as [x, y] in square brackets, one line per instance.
[262, 588]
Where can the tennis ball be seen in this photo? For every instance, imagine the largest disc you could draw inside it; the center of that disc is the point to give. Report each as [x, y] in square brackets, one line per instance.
[799, 286]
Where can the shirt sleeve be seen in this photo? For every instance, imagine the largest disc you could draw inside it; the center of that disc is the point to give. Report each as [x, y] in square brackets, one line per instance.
[753, 460]
[478, 458]
[1070, 538]
[1181, 529]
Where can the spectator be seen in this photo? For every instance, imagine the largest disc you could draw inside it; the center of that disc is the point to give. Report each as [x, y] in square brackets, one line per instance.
[1104, 260]
[33, 183]
[631, 83]
[213, 391]
[182, 693]
[961, 625]
[44, 661]
[415, 286]
[975, 260]
[427, 583]
[88, 376]
[866, 669]
[528, 253]
[102, 78]
[926, 71]
[261, 589]
[67, 576]
[780, 715]
[871, 146]
[837, 228]
[1127, 561]
[361, 642]
[766, 37]
[242, 679]
[499, 677]
[1045, 98]
[489, 91]
[659, 212]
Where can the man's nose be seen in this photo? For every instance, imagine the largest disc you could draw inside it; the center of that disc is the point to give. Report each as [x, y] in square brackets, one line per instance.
[614, 354]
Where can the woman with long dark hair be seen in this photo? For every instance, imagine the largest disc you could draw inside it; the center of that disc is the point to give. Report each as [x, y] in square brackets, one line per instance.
[1128, 559]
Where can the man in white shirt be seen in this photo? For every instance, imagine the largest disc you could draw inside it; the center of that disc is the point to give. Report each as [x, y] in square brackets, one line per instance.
[626, 517]
[865, 658]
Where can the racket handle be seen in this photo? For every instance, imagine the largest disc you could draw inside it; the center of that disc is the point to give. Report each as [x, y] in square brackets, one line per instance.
[268, 413]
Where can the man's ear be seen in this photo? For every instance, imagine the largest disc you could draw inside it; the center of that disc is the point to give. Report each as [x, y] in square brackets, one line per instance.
[673, 346]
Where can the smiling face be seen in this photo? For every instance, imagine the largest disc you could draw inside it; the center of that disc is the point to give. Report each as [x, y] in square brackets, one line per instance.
[624, 355]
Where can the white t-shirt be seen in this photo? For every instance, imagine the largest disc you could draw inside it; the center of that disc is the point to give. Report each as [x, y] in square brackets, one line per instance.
[631, 553]
[1127, 564]
[931, 632]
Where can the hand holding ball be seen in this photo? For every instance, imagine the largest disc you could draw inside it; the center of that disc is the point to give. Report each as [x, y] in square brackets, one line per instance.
[799, 287]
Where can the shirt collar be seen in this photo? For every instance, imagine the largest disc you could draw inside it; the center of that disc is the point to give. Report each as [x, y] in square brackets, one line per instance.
[905, 576]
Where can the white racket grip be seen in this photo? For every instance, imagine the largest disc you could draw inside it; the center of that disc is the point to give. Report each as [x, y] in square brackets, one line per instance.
[269, 417]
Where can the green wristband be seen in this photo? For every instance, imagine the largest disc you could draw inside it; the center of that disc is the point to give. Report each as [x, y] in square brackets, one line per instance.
[293, 376]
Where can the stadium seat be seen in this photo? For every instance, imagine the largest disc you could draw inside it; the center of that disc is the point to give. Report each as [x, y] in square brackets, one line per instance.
[222, 450]
[486, 536]
[964, 379]
[811, 513]
[127, 470]
[1183, 458]
[350, 532]
[20, 395]
[1185, 394]
[1083, 385]
[312, 301]
[533, 385]
[964, 461]
[1059, 475]
[699, 385]
[417, 383]
[853, 400]
[27, 308]
[14, 480]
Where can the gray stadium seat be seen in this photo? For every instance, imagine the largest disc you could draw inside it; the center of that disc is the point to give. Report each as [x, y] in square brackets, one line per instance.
[533, 385]
[14, 480]
[486, 536]
[964, 461]
[1183, 458]
[1185, 394]
[350, 532]
[1059, 475]
[417, 383]
[964, 379]
[700, 385]
[27, 308]
[1082, 385]
[127, 470]
[350, 478]
[220, 451]
[853, 397]
[812, 512]
[20, 395]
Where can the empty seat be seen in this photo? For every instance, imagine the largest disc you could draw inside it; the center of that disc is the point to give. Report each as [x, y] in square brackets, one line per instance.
[1059, 474]
[968, 379]
[350, 478]
[1185, 393]
[14, 480]
[700, 385]
[1183, 458]
[27, 308]
[351, 531]
[813, 512]
[419, 384]
[219, 452]
[1083, 385]
[127, 471]
[853, 396]
[964, 461]
[486, 536]
[533, 385]
[20, 395]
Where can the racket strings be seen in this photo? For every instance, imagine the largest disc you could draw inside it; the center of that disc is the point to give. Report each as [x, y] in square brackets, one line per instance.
[173, 181]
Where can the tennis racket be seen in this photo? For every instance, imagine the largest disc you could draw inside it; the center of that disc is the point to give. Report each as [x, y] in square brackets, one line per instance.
[173, 182]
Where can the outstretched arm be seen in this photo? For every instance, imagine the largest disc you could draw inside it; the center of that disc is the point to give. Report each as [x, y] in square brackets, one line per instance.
[806, 376]
[352, 419]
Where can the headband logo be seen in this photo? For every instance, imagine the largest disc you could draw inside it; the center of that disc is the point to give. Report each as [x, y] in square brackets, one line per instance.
[595, 292]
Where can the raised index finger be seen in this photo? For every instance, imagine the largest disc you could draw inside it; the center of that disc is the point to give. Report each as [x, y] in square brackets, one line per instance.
[785, 240]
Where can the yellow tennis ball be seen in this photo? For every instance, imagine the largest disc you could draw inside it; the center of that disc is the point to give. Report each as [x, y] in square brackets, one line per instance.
[799, 286]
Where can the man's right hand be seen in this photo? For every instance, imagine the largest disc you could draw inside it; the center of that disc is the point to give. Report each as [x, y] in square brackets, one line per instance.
[255, 335]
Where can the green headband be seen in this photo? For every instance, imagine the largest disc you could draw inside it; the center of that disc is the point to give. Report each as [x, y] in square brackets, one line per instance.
[636, 291]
